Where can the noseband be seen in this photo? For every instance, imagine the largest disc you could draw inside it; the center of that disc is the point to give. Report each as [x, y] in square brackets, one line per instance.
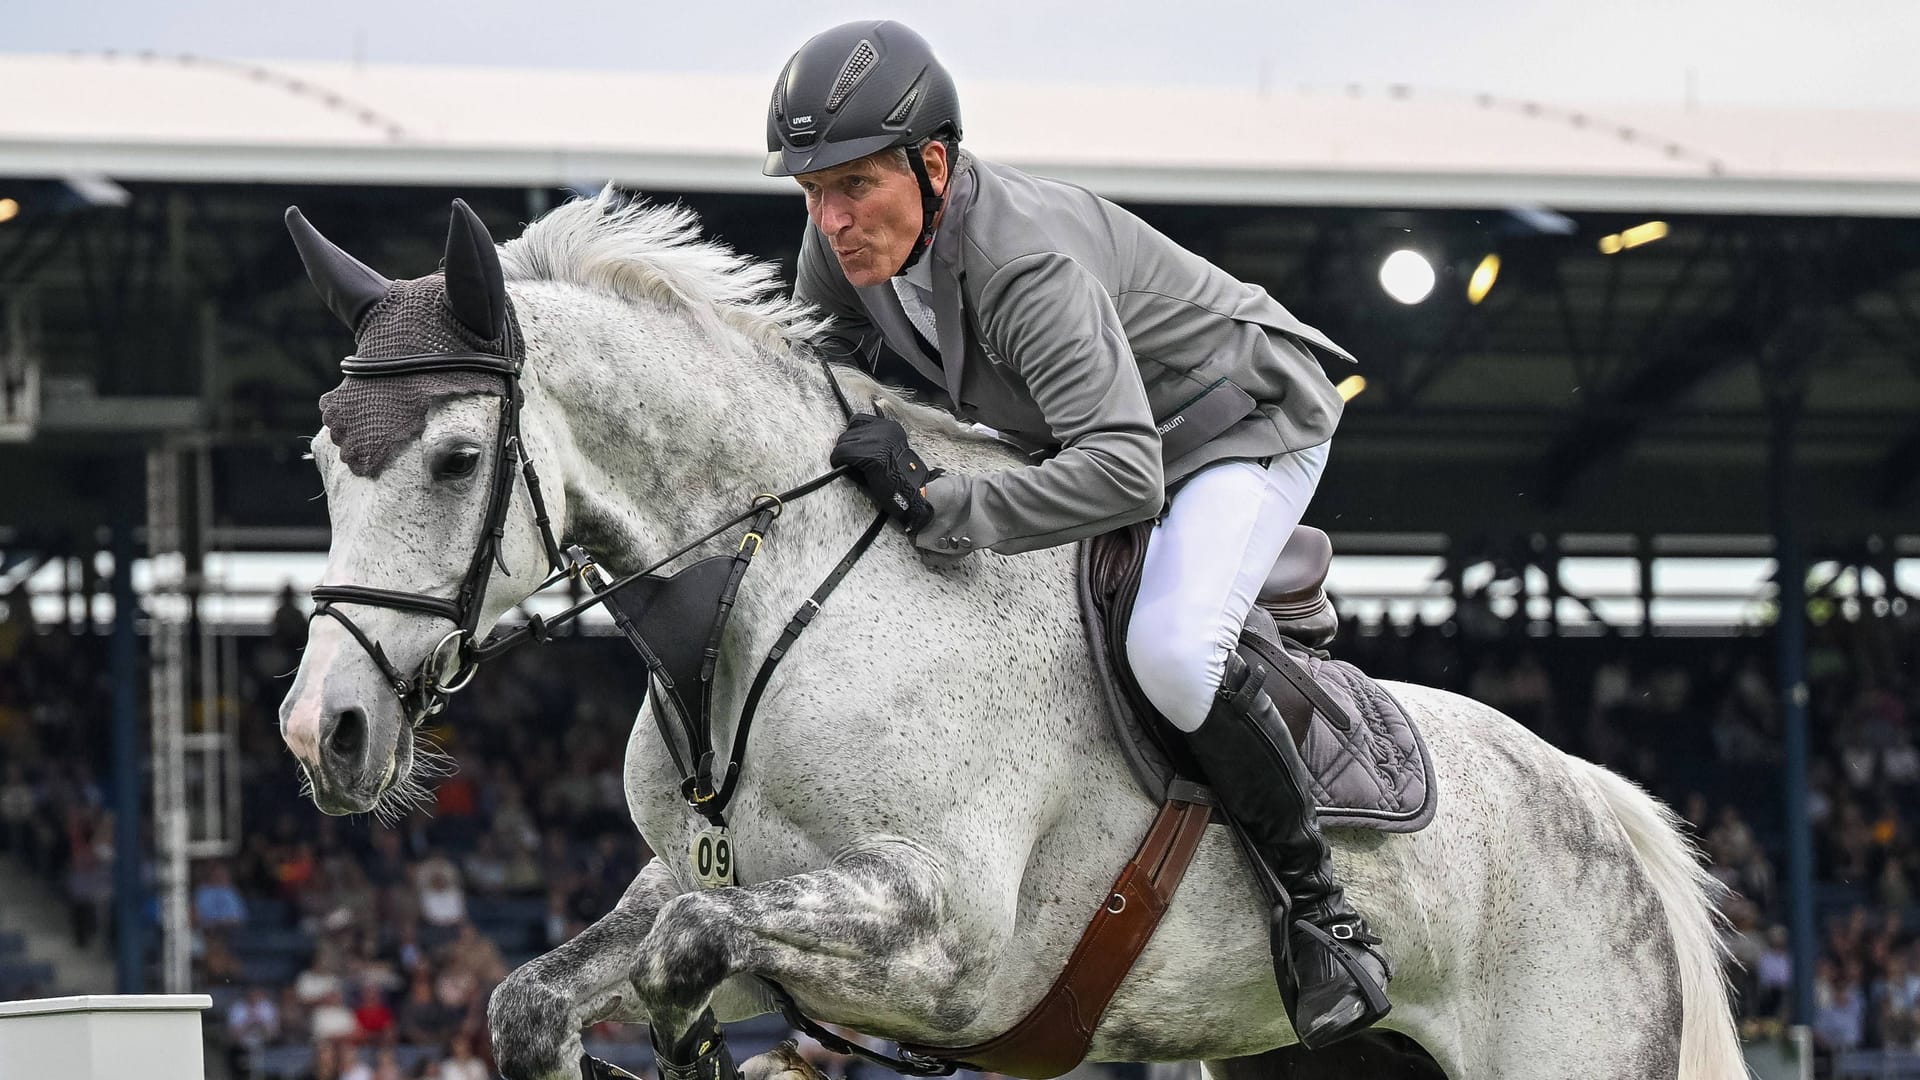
[425, 693]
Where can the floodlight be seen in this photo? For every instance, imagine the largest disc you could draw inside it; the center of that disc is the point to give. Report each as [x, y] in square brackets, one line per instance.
[1484, 275]
[1647, 233]
[1407, 276]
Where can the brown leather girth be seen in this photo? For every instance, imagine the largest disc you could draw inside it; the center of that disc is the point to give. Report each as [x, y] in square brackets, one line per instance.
[1056, 1035]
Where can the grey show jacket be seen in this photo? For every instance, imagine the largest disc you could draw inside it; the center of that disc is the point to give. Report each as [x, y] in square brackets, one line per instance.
[1068, 324]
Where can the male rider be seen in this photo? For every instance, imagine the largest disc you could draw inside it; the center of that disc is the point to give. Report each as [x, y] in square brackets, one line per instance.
[1075, 330]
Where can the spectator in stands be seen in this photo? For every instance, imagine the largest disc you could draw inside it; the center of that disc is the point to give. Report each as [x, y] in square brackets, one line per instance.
[294, 867]
[253, 1023]
[371, 1017]
[477, 955]
[423, 1018]
[367, 965]
[1773, 976]
[1894, 889]
[1850, 845]
[217, 906]
[326, 1061]
[321, 976]
[89, 870]
[513, 825]
[559, 924]
[460, 1064]
[1896, 998]
[387, 1066]
[443, 902]
[407, 951]
[1839, 1015]
[331, 1020]
[486, 871]
[358, 1065]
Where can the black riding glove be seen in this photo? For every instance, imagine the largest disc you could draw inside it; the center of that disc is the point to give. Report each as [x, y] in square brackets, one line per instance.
[876, 447]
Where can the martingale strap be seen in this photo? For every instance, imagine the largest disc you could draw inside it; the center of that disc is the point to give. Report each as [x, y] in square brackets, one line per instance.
[1056, 1034]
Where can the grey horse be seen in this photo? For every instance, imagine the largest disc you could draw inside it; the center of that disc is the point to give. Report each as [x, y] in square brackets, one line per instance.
[934, 803]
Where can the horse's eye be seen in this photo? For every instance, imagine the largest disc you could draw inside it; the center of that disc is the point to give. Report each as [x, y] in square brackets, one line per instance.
[457, 462]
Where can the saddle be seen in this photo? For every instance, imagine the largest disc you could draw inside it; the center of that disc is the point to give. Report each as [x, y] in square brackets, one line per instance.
[1369, 763]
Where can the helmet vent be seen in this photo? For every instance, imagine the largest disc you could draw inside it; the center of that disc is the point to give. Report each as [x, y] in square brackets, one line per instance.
[903, 110]
[856, 69]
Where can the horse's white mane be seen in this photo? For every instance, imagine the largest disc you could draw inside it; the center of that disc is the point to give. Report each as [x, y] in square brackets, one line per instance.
[862, 389]
[644, 251]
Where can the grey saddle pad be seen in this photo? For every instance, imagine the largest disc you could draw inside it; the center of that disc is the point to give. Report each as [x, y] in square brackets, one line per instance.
[1376, 775]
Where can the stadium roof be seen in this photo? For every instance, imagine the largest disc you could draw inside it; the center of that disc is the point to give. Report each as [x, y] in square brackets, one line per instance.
[153, 117]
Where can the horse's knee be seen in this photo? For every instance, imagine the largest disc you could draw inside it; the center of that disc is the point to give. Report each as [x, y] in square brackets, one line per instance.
[530, 1022]
[685, 956]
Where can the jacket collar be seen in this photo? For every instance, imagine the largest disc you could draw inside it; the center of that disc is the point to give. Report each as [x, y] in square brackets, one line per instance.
[948, 305]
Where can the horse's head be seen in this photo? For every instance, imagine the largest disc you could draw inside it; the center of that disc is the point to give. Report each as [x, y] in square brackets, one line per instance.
[433, 536]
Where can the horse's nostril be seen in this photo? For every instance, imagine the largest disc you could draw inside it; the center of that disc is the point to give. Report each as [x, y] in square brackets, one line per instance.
[349, 734]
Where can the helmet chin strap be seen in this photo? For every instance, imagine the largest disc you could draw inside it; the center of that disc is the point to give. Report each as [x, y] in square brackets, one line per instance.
[930, 205]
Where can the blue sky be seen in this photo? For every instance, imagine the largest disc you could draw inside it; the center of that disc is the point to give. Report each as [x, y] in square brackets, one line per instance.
[1772, 52]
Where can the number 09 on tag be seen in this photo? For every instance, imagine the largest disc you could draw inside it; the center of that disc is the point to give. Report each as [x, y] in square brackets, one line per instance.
[711, 854]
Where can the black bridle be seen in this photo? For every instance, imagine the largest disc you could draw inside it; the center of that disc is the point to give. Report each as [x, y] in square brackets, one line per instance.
[425, 693]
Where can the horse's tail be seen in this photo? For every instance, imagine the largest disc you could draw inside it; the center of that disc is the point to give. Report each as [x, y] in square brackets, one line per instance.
[1709, 1044]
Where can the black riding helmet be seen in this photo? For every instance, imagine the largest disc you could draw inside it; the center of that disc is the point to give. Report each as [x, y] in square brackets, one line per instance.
[855, 90]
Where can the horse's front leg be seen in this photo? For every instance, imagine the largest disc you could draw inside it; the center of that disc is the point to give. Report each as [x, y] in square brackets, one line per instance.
[537, 1014]
[872, 927]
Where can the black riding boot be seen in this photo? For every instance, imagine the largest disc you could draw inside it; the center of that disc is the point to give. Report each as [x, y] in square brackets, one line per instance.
[1332, 979]
[701, 1054]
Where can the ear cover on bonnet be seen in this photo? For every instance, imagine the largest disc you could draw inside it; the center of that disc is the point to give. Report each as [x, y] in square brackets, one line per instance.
[372, 416]
[476, 290]
[349, 286]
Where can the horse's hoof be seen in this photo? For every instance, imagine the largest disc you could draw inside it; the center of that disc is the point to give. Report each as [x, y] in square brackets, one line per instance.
[783, 1062]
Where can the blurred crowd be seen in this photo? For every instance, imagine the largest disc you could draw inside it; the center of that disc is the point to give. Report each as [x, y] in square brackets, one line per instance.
[370, 948]
[341, 948]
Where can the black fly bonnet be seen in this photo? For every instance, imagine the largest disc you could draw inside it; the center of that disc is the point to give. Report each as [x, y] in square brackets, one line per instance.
[370, 417]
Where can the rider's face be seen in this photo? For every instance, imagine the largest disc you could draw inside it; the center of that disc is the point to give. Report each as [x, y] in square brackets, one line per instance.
[869, 210]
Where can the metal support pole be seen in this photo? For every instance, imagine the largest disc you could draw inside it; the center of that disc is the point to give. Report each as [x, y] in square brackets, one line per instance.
[128, 893]
[1790, 639]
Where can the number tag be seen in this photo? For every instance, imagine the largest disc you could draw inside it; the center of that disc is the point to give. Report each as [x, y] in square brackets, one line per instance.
[711, 854]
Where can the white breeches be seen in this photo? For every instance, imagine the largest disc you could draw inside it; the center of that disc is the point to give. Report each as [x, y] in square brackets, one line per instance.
[1205, 564]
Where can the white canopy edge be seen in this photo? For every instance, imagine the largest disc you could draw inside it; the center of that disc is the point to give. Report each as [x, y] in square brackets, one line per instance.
[199, 120]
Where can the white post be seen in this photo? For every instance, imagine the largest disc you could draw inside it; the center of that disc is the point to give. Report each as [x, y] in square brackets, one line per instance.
[104, 1037]
[167, 606]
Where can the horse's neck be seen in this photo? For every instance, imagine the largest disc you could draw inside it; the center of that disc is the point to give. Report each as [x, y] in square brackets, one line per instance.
[669, 433]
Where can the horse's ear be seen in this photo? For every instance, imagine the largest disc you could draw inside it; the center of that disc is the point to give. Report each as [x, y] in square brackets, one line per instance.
[348, 285]
[475, 289]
